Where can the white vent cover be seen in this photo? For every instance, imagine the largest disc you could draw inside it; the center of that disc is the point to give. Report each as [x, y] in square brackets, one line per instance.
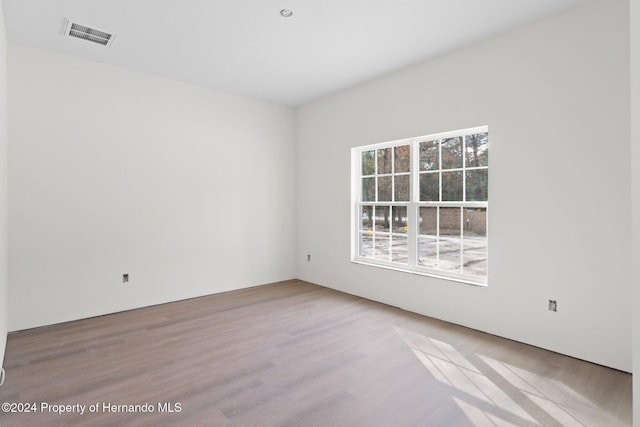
[80, 31]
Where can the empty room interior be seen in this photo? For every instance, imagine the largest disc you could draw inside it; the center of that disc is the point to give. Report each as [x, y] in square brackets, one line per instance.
[284, 213]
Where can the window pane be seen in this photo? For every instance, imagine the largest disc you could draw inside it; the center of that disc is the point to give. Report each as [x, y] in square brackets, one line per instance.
[399, 249]
[368, 162]
[475, 256]
[399, 219]
[402, 158]
[429, 187]
[384, 188]
[450, 259]
[429, 221]
[382, 218]
[477, 185]
[382, 247]
[428, 252]
[450, 222]
[452, 186]
[366, 245]
[366, 218]
[401, 188]
[429, 156]
[452, 153]
[475, 222]
[368, 189]
[477, 150]
[384, 160]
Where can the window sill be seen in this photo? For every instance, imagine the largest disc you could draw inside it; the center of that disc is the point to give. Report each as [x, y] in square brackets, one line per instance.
[443, 276]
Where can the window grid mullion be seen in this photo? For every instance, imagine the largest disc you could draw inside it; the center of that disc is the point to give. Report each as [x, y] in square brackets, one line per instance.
[412, 210]
[464, 165]
[393, 174]
[438, 236]
[439, 170]
[461, 239]
[375, 168]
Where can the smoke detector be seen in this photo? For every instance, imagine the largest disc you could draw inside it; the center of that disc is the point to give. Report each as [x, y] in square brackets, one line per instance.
[84, 32]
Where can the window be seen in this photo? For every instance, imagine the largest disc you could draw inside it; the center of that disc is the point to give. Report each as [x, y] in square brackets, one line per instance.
[421, 205]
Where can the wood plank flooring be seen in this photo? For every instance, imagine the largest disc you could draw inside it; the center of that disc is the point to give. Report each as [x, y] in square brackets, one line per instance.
[297, 354]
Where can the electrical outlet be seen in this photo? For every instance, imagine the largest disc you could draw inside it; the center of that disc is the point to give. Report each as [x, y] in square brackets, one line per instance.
[553, 305]
[125, 277]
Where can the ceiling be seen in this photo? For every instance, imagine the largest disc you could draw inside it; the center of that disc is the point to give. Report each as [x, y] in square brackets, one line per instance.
[246, 47]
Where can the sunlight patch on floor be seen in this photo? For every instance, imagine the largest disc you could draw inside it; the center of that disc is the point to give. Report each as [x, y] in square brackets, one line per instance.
[492, 392]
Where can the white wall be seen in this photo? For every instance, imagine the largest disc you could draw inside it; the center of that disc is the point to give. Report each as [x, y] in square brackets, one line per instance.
[188, 190]
[635, 200]
[4, 306]
[555, 96]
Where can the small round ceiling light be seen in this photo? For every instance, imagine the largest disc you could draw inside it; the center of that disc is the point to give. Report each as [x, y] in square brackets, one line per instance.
[286, 13]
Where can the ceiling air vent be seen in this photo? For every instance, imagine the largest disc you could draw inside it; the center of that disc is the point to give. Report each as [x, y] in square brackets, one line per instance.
[80, 31]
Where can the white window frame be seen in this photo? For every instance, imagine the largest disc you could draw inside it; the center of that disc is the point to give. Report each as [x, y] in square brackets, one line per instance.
[413, 207]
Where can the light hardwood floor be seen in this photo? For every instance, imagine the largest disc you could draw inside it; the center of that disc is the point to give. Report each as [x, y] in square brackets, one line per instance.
[297, 354]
